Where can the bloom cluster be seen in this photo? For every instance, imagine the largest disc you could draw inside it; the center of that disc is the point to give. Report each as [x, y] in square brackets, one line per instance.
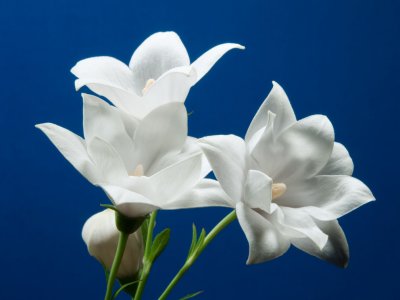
[287, 180]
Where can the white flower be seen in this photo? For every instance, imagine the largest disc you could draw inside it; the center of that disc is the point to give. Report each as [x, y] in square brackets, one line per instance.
[159, 72]
[289, 182]
[142, 166]
[101, 237]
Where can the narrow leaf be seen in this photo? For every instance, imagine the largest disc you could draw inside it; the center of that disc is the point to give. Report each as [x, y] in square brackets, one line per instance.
[145, 228]
[194, 239]
[159, 244]
[191, 295]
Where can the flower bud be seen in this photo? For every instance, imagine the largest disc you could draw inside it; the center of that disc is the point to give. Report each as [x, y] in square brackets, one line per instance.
[100, 234]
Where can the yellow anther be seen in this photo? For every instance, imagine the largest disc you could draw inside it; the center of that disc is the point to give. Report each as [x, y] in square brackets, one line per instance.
[278, 189]
[148, 85]
[138, 171]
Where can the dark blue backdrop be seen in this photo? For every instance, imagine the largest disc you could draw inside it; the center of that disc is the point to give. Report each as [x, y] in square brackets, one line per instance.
[339, 58]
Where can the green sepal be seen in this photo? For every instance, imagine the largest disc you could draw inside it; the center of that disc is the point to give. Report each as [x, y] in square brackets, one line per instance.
[191, 295]
[124, 223]
[159, 244]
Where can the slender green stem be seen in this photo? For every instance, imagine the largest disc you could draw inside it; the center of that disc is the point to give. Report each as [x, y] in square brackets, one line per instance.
[191, 259]
[147, 264]
[123, 238]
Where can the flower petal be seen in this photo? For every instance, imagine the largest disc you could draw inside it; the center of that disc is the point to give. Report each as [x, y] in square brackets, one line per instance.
[73, 148]
[336, 250]
[299, 152]
[105, 122]
[227, 155]
[129, 203]
[340, 162]
[172, 86]
[327, 197]
[278, 103]
[173, 181]
[265, 241]
[161, 132]
[207, 192]
[207, 60]
[108, 77]
[159, 53]
[297, 220]
[258, 191]
[107, 160]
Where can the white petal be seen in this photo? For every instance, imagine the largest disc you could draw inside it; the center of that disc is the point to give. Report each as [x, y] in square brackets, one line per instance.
[278, 103]
[161, 132]
[336, 250]
[206, 61]
[73, 148]
[265, 241]
[340, 162]
[172, 182]
[107, 77]
[159, 53]
[207, 192]
[258, 191]
[327, 197]
[300, 151]
[172, 86]
[129, 203]
[297, 220]
[106, 122]
[227, 155]
[107, 160]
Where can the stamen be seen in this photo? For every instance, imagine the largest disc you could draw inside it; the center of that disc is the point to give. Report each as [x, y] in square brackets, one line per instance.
[278, 189]
[138, 171]
[148, 85]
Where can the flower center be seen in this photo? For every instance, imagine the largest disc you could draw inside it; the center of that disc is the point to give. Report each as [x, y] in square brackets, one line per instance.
[148, 85]
[278, 189]
[138, 171]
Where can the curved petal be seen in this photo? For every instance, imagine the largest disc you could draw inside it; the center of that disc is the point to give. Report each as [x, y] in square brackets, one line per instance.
[161, 132]
[108, 77]
[278, 103]
[336, 250]
[258, 191]
[340, 162]
[172, 182]
[327, 197]
[265, 241]
[107, 161]
[159, 53]
[73, 148]
[227, 155]
[105, 122]
[128, 202]
[299, 152]
[207, 60]
[297, 220]
[206, 193]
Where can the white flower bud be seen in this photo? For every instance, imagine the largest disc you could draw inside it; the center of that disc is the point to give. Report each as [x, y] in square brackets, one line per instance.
[100, 234]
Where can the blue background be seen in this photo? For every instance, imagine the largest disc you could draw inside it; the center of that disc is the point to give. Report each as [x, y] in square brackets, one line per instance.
[339, 58]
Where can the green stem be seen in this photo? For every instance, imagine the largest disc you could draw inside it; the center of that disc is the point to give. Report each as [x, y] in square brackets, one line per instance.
[123, 238]
[190, 261]
[147, 264]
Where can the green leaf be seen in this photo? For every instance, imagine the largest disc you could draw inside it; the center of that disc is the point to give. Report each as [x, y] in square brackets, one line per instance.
[194, 240]
[159, 244]
[191, 295]
[110, 206]
[200, 241]
[123, 287]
